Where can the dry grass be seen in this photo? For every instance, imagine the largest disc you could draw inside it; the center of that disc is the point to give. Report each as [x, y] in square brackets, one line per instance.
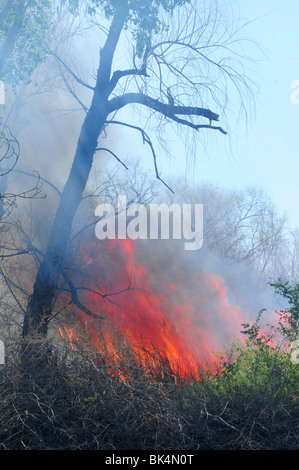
[79, 399]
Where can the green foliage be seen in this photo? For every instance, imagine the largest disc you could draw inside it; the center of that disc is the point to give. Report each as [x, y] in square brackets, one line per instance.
[289, 319]
[33, 24]
[259, 370]
[144, 18]
[260, 373]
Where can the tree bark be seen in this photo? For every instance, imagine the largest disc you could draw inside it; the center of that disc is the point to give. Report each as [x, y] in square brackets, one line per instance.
[40, 305]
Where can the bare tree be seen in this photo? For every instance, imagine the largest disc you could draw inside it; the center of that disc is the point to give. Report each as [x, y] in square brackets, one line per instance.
[9, 155]
[240, 225]
[286, 258]
[181, 59]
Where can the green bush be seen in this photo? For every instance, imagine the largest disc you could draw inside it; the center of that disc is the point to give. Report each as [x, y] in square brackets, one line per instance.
[261, 368]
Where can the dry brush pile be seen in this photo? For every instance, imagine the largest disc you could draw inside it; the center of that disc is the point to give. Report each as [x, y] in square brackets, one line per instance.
[77, 399]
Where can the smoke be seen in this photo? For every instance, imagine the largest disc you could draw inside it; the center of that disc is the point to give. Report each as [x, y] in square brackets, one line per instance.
[222, 295]
[191, 303]
[188, 304]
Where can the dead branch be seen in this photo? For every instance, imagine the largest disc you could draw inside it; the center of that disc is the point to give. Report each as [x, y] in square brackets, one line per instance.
[147, 140]
[98, 149]
[78, 79]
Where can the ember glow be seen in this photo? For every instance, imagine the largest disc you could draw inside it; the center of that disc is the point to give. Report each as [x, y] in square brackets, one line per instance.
[149, 297]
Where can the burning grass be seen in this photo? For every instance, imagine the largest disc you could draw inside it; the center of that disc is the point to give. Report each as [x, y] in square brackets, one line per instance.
[100, 386]
[184, 310]
[82, 398]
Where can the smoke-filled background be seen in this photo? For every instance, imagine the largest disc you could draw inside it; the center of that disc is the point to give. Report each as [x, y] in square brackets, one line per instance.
[188, 305]
[203, 297]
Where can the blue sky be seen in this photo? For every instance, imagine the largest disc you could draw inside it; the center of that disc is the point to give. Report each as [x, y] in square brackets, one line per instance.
[266, 153]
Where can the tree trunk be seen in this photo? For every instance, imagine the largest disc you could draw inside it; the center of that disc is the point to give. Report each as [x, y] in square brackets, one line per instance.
[40, 305]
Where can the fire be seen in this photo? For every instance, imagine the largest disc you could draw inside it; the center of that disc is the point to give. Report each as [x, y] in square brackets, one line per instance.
[69, 333]
[183, 314]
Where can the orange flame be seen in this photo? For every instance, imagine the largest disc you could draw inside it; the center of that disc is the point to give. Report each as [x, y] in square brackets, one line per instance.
[69, 333]
[185, 315]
